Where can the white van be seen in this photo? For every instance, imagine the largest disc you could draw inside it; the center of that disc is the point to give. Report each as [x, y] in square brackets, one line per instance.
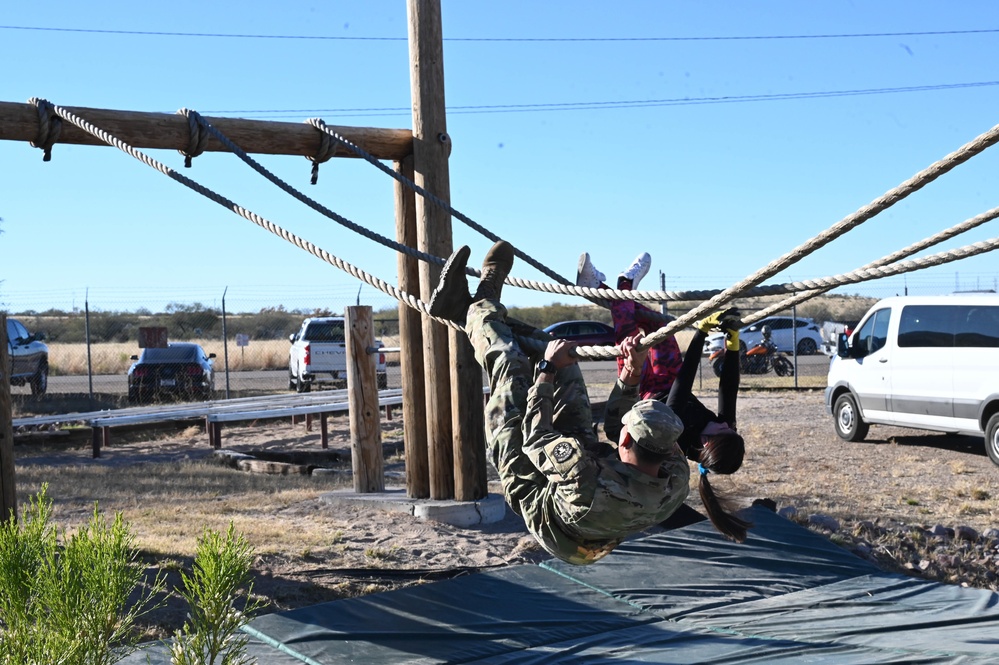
[927, 362]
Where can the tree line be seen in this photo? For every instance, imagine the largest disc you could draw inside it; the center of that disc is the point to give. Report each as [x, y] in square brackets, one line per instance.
[197, 321]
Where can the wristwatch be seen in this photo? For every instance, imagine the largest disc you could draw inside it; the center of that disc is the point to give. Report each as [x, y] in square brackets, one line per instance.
[546, 367]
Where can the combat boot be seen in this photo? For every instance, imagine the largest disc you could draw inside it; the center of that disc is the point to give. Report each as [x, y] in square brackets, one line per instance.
[495, 267]
[450, 300]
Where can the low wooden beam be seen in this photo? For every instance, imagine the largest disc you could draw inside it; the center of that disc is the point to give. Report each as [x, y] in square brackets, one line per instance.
[170, 131]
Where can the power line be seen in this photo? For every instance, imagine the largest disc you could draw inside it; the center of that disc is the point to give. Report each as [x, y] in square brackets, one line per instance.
[596, 105]
[857, 35]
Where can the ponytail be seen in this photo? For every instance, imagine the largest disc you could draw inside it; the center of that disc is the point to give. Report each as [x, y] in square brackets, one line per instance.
[722, 454]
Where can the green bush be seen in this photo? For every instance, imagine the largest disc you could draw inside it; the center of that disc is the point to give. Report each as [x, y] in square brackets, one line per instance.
[69, 604]
[219, 584]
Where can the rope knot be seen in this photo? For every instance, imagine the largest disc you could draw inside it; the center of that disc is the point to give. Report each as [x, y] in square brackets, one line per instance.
[198, 140]
[49, 127]
[327, 148]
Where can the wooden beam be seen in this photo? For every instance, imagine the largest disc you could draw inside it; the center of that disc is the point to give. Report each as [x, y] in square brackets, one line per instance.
[169, 131]
[431, 148]
[414, 413]
[8, 487]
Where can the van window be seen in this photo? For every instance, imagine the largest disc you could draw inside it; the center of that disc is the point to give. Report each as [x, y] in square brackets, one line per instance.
[977, 326]
[927, 325]
[874, 333]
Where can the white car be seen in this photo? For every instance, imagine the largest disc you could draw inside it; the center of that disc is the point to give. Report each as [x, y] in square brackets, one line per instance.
[784, 331]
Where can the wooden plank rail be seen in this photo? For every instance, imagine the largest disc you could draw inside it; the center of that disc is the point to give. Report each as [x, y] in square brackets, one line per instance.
[170, 131]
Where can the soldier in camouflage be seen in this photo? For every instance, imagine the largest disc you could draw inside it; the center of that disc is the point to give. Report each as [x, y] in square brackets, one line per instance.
[578, 496]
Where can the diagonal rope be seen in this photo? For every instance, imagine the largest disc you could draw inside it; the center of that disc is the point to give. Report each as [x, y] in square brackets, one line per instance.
[433, 198]
[936, 239]
[307, 200]
[916, 182]
[318, 252]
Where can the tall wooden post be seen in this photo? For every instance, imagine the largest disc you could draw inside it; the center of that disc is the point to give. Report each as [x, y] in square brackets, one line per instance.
[8, 488]
[431, 147]
[414, 414]
[365, 429]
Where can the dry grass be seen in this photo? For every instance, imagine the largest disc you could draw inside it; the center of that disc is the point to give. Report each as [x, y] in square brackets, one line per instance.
[115, 357]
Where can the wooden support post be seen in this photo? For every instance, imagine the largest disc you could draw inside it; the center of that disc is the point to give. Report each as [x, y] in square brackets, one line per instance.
[431, 147]
[8, 486]
[217, 436]
[468, 420]
[95, 441]
[308, 422]
[105, 437]
[324, 430]
[388, 412]
[414, 394]
[362, 390]
[19, 122]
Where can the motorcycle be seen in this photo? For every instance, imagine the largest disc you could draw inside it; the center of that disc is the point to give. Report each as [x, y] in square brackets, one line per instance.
[758, 360]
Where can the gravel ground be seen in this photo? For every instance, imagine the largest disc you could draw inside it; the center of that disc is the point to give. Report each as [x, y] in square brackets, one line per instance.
[914, 502]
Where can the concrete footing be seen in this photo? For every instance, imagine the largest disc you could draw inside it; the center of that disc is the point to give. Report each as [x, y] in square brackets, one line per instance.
[490, 509]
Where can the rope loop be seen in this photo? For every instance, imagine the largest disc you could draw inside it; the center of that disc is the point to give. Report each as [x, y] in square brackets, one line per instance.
[327, 148]
[49, 127]
[199, 139]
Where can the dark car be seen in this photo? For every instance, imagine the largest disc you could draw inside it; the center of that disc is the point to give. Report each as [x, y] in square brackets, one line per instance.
[181, 370]
[586, 333]
[29, 358]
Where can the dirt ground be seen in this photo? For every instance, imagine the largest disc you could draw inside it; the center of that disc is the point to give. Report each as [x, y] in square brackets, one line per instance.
[169, 489]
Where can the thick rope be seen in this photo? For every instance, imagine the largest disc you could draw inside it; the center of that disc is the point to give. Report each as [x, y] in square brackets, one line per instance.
[905, 252]
[888, 199]
[312, 203]
[49, 128]
[327, 148]
[249, 215]
[863, 274]
[433, 198]
[198, 139]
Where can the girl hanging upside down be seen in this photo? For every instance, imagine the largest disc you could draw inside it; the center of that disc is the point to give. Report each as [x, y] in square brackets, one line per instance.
[710, 439]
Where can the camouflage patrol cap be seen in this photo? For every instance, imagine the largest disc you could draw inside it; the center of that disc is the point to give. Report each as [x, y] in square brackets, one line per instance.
[653, 426]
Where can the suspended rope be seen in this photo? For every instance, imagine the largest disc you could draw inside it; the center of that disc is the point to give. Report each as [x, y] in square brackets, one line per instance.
[433, 198]
[913, 184]
[884, 267]
[936, 239]
[301, 243]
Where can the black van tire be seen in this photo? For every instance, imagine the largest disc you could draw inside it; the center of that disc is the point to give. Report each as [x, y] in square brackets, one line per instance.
[992, 438]
[847, 420]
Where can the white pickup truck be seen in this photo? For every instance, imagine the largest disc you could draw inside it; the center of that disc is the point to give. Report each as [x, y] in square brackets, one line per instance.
[318, 355]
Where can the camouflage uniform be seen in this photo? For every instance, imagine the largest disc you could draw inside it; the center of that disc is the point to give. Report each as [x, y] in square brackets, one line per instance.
[575, 494]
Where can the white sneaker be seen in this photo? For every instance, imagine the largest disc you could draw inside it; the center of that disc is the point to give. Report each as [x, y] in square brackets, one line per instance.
[638, 269]
[587, 274]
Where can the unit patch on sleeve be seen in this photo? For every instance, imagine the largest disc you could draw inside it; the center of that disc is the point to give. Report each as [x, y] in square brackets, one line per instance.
[563, 450]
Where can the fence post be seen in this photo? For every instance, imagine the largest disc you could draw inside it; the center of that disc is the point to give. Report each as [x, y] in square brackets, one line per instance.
[362, 389]
[90, 367]
[8, 489]
[225, 345]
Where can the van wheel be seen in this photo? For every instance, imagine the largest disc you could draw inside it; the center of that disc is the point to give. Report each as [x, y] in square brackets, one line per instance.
[992, 438]
[846, 416]
[717, 365]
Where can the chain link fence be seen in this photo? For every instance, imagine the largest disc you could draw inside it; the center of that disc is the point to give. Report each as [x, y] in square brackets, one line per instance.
[91, 348]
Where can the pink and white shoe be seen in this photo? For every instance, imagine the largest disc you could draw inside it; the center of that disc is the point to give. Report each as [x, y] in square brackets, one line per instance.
[587, 274]
[638, 269]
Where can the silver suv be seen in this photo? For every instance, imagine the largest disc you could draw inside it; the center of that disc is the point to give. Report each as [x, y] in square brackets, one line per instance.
[29, 358]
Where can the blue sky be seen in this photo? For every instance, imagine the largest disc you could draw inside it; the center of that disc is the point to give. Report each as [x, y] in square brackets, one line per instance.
[713, 191]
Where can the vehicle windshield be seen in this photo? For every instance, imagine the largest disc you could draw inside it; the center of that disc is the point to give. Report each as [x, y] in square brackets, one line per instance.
[171, 354]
